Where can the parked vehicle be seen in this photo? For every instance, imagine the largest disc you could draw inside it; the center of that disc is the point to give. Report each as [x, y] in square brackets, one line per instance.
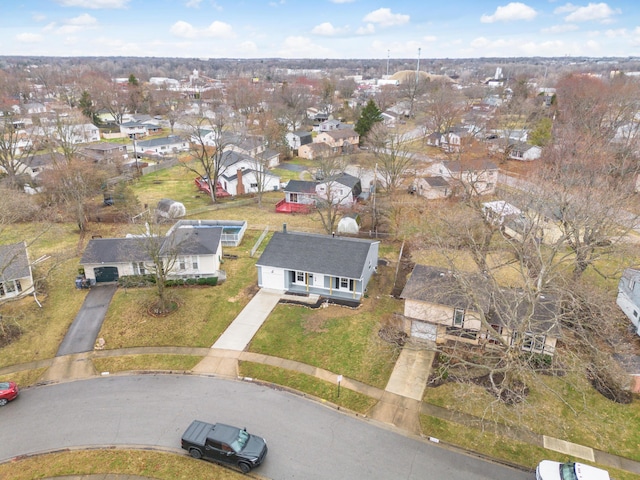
[549, 470]
[224, 444]
[8, 391]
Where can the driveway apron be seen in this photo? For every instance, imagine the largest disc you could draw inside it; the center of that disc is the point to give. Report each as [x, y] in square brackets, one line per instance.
[82, 334]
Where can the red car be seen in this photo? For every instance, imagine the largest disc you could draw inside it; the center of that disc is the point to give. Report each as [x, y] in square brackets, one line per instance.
[8, 391]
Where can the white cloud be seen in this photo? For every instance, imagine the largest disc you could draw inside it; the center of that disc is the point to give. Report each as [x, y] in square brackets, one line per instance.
[368, 29]
[215, 30]
[599, 12]
[72, 25]
[385, 18]
[430, 38]
[510, 12]
[342, 1]
[28, 37]
[183, 29]
[82, 20]
[326, 29]
[39, 17]
[220, 30]
[193, 3]
[95, 4]
[568, 27]
[617, 33]
[302, 47]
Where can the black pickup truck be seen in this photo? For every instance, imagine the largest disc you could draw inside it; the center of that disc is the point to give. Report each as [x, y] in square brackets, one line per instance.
[224, 444]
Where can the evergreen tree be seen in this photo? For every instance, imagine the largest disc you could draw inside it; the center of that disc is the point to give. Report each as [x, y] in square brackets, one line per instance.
[370, 115]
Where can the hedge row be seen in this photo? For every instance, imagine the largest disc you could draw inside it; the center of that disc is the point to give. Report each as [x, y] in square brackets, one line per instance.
[130, 281]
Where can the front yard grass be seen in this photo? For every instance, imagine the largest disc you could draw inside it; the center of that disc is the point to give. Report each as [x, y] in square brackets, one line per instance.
[584, 417]
[146, 362]
[346, 398]
[157, 465]
[203, 313]
[498, 447]
[335, 338]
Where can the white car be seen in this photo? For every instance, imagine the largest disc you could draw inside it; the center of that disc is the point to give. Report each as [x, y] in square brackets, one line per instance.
[548, 470]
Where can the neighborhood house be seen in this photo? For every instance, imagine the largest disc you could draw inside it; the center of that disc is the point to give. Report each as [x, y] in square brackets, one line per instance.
[15, 271]
[333, 267]
[195, 251]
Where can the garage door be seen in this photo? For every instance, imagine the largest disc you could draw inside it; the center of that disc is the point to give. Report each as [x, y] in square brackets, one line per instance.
[106, 274]
[424, 331]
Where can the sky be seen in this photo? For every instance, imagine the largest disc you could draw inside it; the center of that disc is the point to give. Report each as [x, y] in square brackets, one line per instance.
[376, 29]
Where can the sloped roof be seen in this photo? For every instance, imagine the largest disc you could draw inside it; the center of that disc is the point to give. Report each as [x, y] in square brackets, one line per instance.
[443, 287]
[436, 182]
[341, 133]
[194, 240]
[115, 250]
[300, 186]
[322, 254]
[14, 262]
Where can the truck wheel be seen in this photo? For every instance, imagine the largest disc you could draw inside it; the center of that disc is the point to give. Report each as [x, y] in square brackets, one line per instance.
[195, 453]
[244, 467]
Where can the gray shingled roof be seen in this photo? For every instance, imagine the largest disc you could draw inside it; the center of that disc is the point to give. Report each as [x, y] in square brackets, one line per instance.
[14, 262]
[436, 182]
[114, 250]
[300, 186]
[195, 240]
[323, 254]
[441, 286]
[190, 240]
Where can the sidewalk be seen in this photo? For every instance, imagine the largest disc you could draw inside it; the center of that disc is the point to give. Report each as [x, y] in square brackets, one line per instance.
[399, 404]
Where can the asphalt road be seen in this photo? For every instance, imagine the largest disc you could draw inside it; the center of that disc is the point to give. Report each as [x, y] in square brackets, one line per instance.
[306, 439]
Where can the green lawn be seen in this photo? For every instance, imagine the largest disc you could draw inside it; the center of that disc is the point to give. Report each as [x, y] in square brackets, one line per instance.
[157, 465]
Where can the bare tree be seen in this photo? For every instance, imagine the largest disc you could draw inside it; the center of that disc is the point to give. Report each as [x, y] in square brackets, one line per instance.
[293, 101]
[16, 147]
[332, 194]
[209, 139]
[393, 155]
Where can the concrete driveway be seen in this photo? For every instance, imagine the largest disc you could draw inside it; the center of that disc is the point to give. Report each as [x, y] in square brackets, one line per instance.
[82, 334]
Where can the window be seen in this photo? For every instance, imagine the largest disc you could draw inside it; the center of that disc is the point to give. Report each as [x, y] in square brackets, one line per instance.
[194, 263]
[182, 263]
[635, 313]
[139, 269]
[18, 285]
[1, 289]
[299, 277]
[344, 283]
[458, 317]
[533, 343]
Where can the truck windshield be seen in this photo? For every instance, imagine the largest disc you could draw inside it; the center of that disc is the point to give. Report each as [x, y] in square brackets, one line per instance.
[239, 443]
[568, 471]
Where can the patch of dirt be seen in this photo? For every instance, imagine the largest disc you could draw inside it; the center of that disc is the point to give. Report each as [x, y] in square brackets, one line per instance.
[316, 322]
[155, 309]
[247, 292]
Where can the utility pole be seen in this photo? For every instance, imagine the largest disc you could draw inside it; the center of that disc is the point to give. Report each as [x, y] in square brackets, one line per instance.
[418, 66]
[387, 63]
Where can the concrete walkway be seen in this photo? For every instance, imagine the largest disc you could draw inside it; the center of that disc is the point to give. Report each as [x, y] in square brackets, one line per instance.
[399, 404]
[238, 335]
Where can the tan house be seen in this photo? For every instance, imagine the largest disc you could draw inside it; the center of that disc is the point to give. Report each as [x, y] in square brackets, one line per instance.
[442, 306]
[468, 177]
[311, 151]
[340, 141]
